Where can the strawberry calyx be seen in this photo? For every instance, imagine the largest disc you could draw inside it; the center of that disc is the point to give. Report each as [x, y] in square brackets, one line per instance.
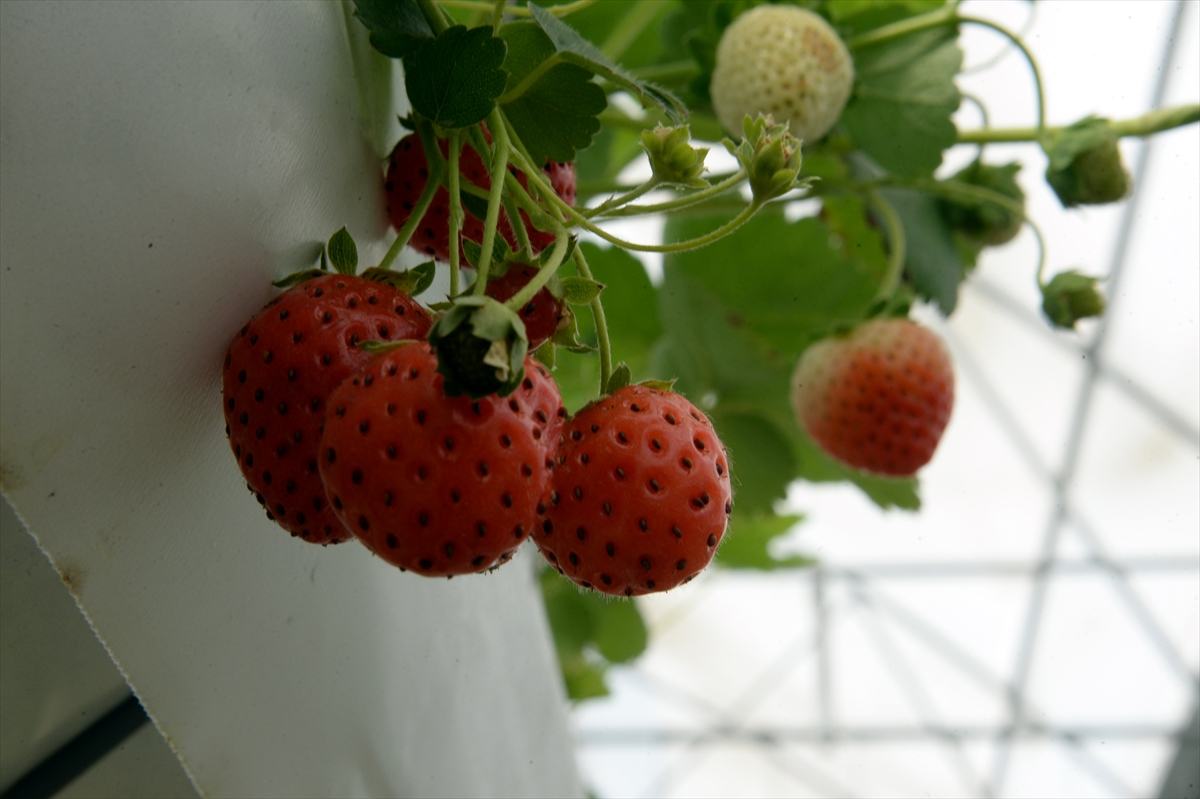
[673, 159]
[1071, 296]
[481, 346]
[770, 155]
[342, 253]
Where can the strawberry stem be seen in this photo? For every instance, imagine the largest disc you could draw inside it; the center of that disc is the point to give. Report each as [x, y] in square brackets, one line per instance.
[433, 15]
[456, 211]
[1033, 66]
[435, 166]
[597, 309]
[577, 217]
[1146, 125]
[500, 153]
[613, 203]
[679, 202]
[545, 272]
[896, 242]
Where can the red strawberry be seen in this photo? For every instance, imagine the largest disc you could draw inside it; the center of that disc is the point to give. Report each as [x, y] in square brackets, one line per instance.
[640, 494]
[406, 177]
[542, 315]
[280, 369]
[877, 399]
[440, 485]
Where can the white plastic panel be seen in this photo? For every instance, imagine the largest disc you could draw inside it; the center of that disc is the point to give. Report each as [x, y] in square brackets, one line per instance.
[162, 162]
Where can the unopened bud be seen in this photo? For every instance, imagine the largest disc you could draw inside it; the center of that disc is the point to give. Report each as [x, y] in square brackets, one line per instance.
[1071, 296]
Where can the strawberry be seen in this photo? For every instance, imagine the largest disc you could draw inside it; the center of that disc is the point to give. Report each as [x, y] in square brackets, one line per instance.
[280, 369]
[640, 494]
[406, 177]
[877, 399]
[543, 315]
[439, 485]
[783, 61]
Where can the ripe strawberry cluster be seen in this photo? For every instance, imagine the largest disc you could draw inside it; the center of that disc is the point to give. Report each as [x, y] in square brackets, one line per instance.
[629, 496]
[336, 442]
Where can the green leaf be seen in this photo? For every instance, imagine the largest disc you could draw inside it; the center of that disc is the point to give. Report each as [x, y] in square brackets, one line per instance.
[747, 543]
[411, 281]
[557, 116]
[729, 338]
[886, 492]
[599, 21]
[583, 680]
[619, 378]
[761, 462]
[343, 253]
[397, 26]
[780, 281]
[580, 290]
[296, 278]
[620, 632]
[590, 631]
[454, 80]
[904, 97]
[932, 260]
[858, 16]
[574, 49]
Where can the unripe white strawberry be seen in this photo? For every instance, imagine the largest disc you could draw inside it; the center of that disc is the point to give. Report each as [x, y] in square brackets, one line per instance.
[786, 62]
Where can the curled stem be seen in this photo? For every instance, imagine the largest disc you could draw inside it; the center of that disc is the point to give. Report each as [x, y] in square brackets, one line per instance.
[680, 202]
[1037, 74]
[948, 15]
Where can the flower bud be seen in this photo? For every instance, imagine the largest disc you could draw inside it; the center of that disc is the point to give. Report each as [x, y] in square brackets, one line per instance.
[1071, 296]
[672, 157]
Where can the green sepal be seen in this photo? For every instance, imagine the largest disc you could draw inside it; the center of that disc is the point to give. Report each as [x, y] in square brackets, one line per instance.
[545, 354]
[501, 254]
[621, 376]
[380, 347]
[481, 347]
[580, 290]
[411, 281]
[1071, 296]
[343, 252]
[659, 385]
[296, 278]
[567, 336]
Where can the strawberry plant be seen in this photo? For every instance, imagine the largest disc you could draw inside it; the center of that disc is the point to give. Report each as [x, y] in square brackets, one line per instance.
[535, 132]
